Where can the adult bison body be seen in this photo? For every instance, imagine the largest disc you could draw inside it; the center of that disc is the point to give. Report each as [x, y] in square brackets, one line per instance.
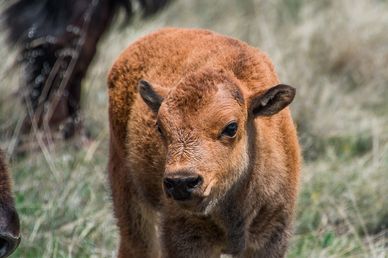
[9, 220]
[58, 40]
[204, 158]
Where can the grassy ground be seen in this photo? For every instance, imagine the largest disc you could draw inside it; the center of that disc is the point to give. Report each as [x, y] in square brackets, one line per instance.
[334, 52]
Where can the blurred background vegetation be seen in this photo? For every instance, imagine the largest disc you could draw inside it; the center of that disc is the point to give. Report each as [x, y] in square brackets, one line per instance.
[334, 52]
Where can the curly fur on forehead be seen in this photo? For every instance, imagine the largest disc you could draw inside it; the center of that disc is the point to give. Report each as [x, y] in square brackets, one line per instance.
[195, 89]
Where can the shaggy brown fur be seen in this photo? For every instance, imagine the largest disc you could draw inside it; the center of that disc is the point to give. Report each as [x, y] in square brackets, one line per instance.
[9, 220]
[225, 134]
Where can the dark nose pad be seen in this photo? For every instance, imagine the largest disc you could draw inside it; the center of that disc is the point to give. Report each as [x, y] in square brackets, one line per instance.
[181, 187]
[8, 244]
[9, 231]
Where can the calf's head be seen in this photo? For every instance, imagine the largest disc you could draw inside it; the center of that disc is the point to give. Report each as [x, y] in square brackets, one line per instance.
[203, 122]
[9, 220]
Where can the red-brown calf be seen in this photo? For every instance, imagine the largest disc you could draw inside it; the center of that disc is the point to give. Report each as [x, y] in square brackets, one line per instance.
[204, 158]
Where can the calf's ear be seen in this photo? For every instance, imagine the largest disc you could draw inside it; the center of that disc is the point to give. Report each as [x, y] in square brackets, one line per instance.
[271, 101]
[151, 95]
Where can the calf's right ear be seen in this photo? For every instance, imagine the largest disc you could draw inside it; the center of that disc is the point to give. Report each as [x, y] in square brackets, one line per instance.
[152, 95]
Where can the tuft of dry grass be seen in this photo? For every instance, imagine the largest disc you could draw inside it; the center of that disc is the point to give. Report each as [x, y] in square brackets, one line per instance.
[334, 52]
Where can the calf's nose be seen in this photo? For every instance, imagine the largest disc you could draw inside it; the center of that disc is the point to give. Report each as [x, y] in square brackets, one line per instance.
[180, 188]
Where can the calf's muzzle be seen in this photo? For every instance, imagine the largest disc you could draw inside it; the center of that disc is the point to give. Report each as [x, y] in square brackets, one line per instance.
[181, 187]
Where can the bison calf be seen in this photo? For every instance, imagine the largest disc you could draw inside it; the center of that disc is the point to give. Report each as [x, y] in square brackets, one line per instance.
[204, 158]
[9, 220]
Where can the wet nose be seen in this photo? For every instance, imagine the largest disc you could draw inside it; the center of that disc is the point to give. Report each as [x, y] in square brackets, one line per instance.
[9, 232]
[180, 188]
[8, 244]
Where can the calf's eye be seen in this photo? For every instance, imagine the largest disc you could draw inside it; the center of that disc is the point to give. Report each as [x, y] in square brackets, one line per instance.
[230, 130]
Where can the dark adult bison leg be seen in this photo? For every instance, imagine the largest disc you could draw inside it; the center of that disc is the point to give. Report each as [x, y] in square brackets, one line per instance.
[73, 104]
[43, 71]
[56, 70]
[94, 29]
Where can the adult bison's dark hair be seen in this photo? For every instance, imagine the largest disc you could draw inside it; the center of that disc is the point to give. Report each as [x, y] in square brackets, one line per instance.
[58, 39]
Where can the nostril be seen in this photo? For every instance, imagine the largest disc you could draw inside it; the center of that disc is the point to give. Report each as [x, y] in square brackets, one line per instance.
[169, 183]
[181, 187]
[8, 244]
[193, 182]
[3, 247]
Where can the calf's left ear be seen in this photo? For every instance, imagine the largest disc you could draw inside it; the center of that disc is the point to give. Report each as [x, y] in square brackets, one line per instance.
[271, 101]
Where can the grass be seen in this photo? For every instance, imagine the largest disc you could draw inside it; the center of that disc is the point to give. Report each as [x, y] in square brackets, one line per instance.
[334, 52]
